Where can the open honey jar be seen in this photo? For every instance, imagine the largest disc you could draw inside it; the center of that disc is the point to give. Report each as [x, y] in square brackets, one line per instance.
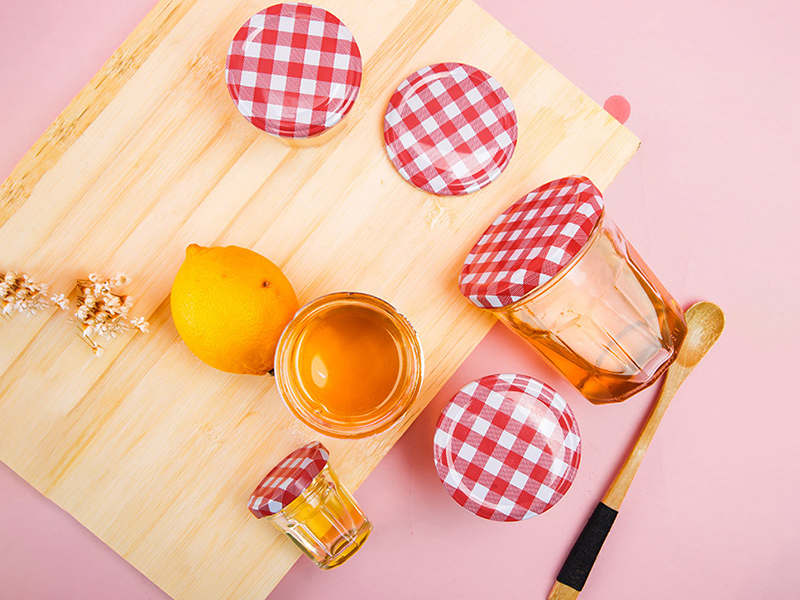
[349, 365]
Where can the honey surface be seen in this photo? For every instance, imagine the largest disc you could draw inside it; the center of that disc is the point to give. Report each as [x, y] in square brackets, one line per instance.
[350, 360]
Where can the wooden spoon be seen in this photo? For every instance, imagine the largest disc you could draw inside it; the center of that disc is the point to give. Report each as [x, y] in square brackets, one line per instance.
[705, 321]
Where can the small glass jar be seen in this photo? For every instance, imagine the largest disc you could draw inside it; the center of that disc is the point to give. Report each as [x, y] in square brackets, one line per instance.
[349, 365]
[583, 298]
[323, 520]
[294, 71]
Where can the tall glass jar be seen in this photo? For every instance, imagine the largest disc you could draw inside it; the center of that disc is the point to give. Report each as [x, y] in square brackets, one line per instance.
[593, 309]
[604, 321]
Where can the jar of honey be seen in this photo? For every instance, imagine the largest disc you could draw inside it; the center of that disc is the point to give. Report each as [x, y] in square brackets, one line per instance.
[558, 272]
[294, 71]
[303, 498]
[349, 365]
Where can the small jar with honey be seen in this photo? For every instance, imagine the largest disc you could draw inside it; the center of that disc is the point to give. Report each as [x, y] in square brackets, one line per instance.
[349, 365]
[303, 498]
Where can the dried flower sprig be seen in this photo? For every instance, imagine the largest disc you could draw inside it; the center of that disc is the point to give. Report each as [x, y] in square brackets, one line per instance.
[20, 294]
[102, 313]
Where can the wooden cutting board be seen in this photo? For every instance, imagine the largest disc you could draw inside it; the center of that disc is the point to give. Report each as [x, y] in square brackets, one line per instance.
[150, 449]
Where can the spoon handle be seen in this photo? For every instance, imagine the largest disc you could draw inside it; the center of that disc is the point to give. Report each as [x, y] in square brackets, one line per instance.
[581, 558]
[622, 482]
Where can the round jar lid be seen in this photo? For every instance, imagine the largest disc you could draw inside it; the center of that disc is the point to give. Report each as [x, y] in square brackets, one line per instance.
[293, 70]
[507, 447]
[450, 129]
[530, 242]
[287, 480]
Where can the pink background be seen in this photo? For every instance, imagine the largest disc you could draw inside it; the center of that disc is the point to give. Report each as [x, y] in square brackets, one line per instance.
[711, 201]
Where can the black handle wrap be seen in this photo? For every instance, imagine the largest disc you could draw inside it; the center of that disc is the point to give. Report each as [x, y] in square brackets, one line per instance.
[586, 548]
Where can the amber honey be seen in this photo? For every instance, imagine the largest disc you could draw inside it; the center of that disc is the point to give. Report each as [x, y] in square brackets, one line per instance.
[349, 361]
[349, 365]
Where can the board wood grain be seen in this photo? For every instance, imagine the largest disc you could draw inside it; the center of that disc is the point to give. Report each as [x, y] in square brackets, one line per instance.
[146, 446]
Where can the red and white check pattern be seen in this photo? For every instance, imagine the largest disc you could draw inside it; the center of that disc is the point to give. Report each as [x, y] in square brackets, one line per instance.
[293, 70]
[287, 480]
[530, 242]
[507, 447]
[450, 129]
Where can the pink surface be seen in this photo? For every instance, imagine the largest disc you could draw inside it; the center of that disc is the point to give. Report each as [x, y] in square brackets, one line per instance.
[709, 201]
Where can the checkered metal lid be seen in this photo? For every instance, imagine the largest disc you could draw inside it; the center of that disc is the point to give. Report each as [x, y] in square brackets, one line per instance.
[530, 242]
[450, 129]
[507, 447]
[293, 70]
[287, 480]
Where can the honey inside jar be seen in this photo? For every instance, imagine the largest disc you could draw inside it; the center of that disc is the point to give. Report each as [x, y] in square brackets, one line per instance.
[349, 360]
[349, 365]
[303, 498]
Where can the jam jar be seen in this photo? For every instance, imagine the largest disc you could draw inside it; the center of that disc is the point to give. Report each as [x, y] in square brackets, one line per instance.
[303, 498]
[558, 272]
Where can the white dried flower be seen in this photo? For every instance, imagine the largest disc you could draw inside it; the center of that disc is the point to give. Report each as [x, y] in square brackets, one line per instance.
[19, 293]
[101, 312]
[140, 324]
[120, 280]
[61, 301]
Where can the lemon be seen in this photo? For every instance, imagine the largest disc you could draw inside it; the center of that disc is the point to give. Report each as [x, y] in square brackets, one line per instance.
[230, 306]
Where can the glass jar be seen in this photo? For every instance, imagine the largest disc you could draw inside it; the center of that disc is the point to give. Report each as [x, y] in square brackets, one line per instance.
[323, 520]
[595, 312]
[349, 365]
[604, 321]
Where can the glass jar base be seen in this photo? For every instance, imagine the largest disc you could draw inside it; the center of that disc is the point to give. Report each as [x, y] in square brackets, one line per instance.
[602, 390]
[347, 548]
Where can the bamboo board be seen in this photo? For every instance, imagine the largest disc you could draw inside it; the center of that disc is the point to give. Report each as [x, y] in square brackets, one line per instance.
[147, 447]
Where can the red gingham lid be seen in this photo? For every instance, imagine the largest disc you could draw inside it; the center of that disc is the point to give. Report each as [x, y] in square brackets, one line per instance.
[450, 129]
[287, 480]
[293, 70]
[507, 447]
[530, 242]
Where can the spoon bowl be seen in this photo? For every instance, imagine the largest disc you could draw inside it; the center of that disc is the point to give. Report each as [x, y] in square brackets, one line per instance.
[705, 322]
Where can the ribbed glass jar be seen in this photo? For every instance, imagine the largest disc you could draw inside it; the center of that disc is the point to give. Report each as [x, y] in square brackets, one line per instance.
[604, 321]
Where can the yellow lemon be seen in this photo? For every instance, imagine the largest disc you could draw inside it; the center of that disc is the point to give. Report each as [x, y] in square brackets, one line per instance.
[230, 305]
